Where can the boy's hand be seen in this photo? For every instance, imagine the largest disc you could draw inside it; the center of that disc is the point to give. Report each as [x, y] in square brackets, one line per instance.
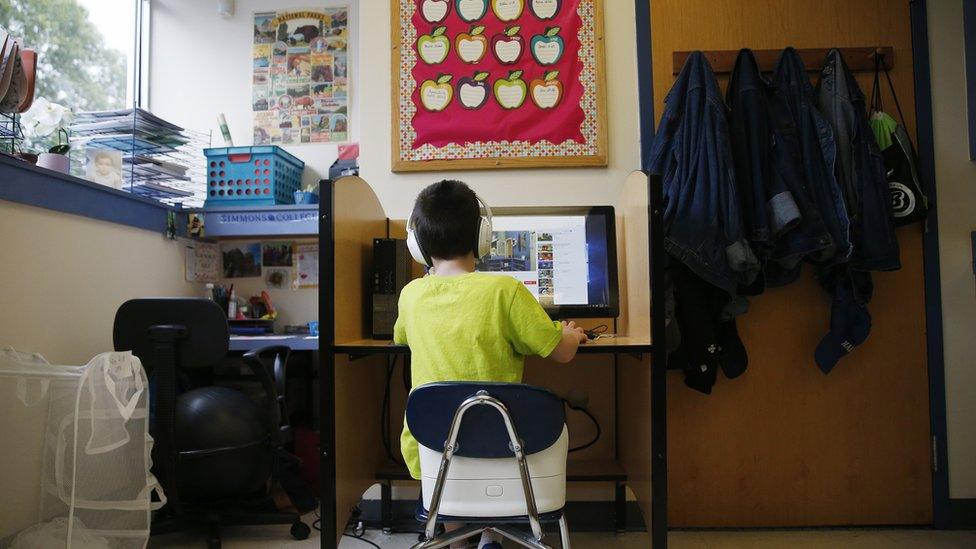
[572, 329]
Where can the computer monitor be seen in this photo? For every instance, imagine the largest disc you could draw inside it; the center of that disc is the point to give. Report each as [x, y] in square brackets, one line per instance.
[566, 256]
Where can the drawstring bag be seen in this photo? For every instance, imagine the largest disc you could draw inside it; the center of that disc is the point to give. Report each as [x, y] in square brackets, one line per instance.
[908, 201]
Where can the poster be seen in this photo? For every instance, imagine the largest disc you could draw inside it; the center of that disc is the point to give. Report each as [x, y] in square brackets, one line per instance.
[497, 83]
[300, 82]
[307, 265]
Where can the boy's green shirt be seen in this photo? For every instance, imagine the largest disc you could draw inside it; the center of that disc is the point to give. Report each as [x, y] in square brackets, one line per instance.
[470, 327]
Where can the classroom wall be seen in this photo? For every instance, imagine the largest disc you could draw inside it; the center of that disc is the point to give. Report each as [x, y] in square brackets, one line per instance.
[63, 277]
[201, 65]
[956, 186]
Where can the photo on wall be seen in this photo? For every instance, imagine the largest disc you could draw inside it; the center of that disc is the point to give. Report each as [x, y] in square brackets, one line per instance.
[298, 57]
[241, 259]
[277, 254]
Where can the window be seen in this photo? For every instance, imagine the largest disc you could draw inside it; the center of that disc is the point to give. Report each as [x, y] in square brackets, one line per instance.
[87, 49]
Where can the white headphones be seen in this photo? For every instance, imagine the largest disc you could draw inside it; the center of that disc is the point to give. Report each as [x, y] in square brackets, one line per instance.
[482, 246]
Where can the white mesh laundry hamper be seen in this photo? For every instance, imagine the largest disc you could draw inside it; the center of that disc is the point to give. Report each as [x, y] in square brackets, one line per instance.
[79, 448]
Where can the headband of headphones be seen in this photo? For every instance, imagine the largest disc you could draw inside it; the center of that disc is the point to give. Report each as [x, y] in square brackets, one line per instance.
[481, 246]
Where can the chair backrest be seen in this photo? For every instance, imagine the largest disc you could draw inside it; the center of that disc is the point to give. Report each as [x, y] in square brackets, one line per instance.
[537, 413]
[169, 334]
[205, 336]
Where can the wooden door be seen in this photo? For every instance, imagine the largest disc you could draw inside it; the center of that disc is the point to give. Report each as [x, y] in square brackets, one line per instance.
[785, 445]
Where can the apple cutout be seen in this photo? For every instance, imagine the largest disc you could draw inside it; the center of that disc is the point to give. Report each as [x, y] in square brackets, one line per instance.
[546, 92]
[434, 11]
[473, 91]
[510, 92]
[507, 46]
[433, 47]
[547, 48]
[507, 10]
[545, 9]
[472, 46]
[436, 95]
[471, 10]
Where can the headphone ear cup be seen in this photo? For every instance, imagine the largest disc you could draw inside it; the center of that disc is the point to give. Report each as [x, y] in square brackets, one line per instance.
[484, 237]
[415, 250]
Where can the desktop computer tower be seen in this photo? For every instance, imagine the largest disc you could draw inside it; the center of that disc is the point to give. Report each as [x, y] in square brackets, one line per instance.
[391, 272]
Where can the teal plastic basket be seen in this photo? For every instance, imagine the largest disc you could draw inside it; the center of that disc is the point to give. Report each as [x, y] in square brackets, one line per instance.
[252, 176]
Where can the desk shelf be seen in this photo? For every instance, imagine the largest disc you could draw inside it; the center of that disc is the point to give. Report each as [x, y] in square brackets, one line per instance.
[251, 221]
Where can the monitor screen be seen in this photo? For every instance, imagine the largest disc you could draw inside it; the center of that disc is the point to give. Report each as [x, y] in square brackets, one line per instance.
[565, 256]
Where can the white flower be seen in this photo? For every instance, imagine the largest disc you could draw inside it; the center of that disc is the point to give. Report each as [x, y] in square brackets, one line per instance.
[44, 118]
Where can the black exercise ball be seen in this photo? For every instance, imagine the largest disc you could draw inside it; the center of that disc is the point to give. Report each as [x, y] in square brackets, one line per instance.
[222, 438]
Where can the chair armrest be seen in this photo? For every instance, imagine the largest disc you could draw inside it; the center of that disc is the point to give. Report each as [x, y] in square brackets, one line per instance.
[269, 365]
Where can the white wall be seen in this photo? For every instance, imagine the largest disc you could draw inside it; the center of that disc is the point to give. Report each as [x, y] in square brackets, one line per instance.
[65, 275]
[956, 186]
[200, 64]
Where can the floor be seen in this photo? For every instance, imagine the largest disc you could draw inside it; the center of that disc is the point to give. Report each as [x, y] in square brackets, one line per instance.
[262, 536]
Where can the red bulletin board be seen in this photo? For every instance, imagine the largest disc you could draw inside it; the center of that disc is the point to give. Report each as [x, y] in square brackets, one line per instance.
[498, 84]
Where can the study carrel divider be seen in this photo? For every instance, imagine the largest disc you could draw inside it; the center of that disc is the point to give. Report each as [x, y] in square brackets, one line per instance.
[615, 372]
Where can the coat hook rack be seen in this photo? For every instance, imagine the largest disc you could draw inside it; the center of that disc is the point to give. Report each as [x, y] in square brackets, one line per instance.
[858, 59]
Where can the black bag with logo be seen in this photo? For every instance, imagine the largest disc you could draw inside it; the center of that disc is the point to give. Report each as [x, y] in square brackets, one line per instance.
[908, 201]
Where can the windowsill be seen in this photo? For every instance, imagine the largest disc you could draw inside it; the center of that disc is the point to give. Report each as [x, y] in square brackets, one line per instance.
[43, 188]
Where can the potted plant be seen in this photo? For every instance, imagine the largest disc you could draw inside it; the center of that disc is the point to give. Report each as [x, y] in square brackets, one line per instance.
[41, 124]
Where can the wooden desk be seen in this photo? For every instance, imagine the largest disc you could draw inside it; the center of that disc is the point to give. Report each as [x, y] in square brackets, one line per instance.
[607, 345]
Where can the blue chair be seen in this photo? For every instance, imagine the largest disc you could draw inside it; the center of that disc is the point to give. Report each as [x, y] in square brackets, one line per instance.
[492, 455]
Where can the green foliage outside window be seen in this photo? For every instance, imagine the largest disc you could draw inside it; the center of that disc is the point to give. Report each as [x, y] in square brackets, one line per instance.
[75, 67]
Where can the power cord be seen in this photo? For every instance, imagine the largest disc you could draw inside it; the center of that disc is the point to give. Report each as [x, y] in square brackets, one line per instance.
[577, 401]
[597, 332]
[362, 539]
[385, 414]
[317, 524]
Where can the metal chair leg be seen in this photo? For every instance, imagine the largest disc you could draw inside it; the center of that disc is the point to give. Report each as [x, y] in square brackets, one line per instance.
[449, 537]
[520, 537]
[563, 531]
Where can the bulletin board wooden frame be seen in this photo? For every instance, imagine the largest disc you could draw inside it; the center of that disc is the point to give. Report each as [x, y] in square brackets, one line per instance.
[492, 154]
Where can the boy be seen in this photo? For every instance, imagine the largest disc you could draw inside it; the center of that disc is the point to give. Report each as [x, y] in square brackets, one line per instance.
[462, 325]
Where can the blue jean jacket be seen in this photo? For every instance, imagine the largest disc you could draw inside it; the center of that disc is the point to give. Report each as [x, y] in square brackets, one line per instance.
[860, 168]
[806, 136]
[783, 220]
[702, 218]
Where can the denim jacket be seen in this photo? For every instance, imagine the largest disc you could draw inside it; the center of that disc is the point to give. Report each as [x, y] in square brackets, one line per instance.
[702, 218]
[860, 168]
[778, 208]
[807, 137]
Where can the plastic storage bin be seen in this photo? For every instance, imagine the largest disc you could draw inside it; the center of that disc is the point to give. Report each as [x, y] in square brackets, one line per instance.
[252, 176]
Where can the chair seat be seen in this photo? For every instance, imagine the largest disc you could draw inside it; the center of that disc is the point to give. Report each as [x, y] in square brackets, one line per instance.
[550, 517]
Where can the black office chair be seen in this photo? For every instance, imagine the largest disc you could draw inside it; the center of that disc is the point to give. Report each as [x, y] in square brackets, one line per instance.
[217, 453]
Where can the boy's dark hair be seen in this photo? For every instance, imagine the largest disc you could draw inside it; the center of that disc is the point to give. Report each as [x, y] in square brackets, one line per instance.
[446, 219]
